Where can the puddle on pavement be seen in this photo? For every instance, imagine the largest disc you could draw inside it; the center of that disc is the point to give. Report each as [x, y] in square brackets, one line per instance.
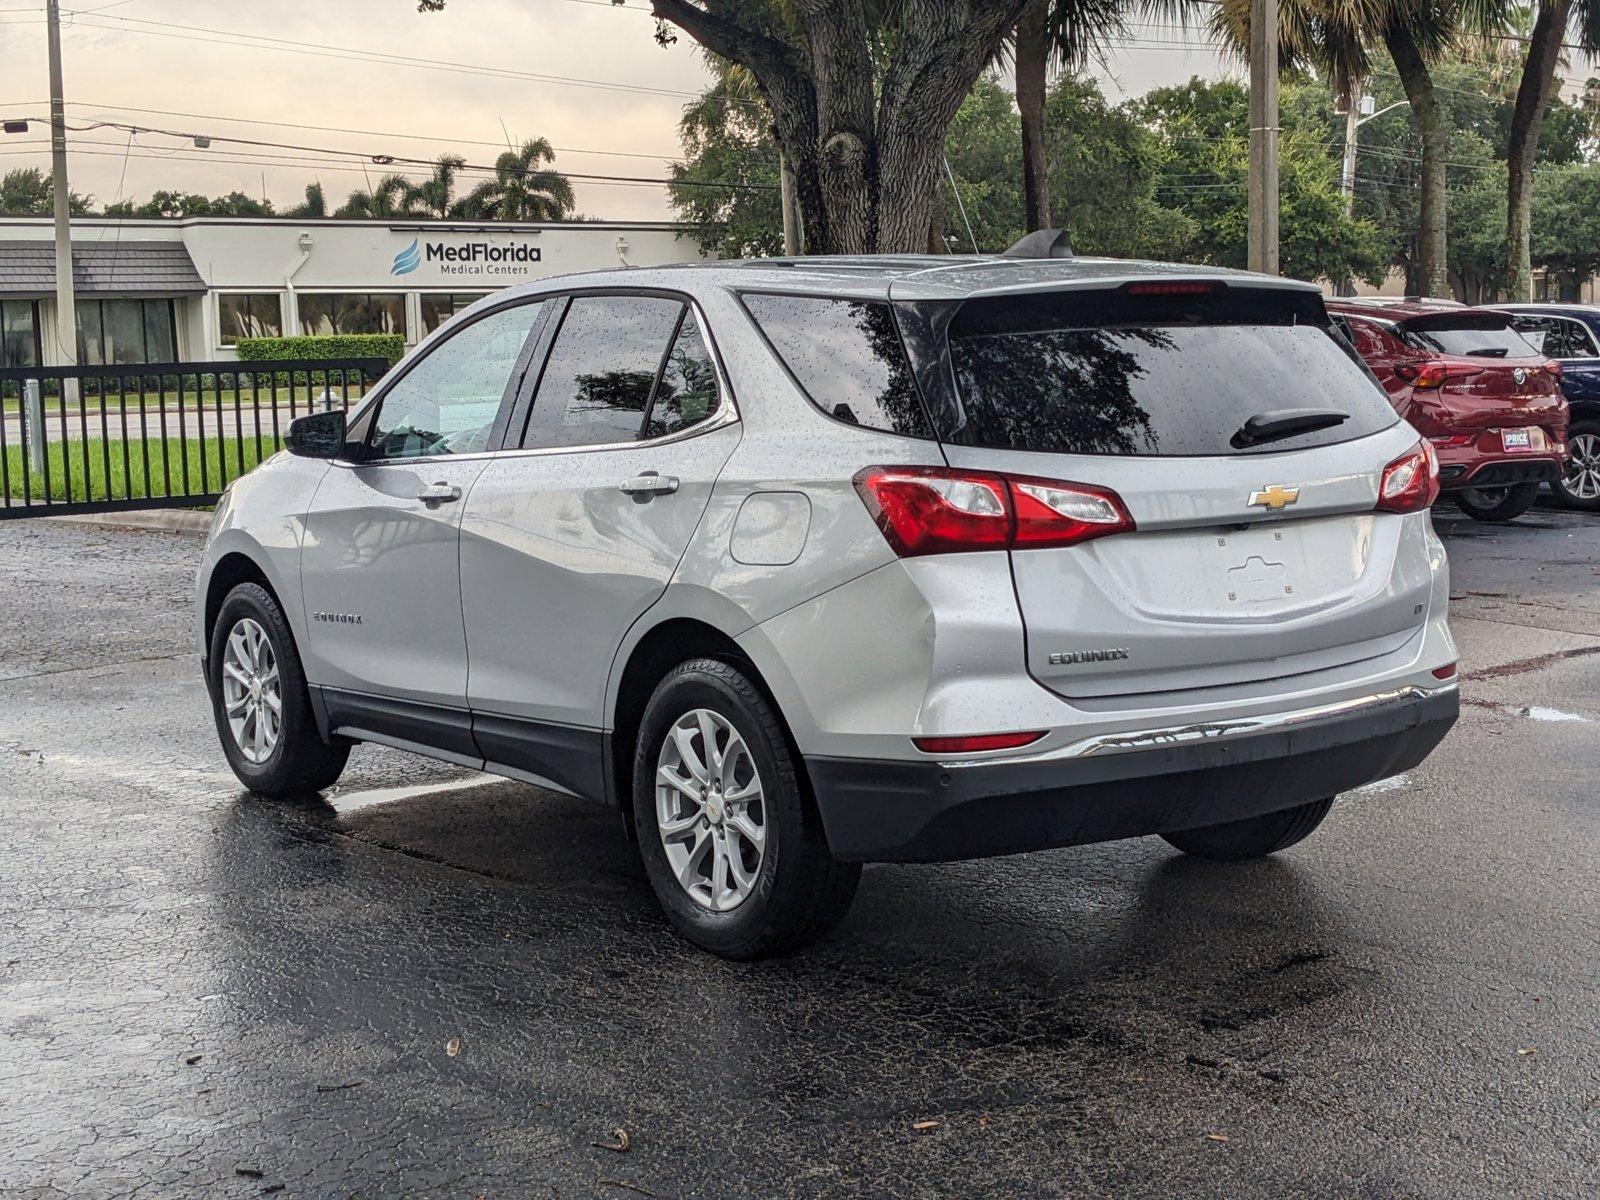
[1536, 713]
[345, 803]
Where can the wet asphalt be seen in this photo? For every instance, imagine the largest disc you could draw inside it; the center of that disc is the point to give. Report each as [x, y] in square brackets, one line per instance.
[438, 985]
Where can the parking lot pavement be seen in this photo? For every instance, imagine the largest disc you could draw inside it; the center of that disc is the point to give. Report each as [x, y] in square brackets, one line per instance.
[439, 985]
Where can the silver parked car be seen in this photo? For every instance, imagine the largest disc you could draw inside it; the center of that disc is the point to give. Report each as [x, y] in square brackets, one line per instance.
[805, 564]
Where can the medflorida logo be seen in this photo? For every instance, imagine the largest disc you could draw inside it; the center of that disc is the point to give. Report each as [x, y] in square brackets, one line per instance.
[467, 258]
[406, 261]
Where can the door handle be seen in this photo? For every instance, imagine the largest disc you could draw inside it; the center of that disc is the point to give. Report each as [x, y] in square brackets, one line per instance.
[649, 483]
[439, 493]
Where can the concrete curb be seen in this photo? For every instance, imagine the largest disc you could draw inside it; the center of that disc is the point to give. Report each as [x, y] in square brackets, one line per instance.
[161, 520]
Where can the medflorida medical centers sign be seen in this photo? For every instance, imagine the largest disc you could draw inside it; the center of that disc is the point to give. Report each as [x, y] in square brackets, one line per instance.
[472, 259]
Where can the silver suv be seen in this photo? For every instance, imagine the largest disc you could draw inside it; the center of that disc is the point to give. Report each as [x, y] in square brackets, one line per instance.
[805, 564]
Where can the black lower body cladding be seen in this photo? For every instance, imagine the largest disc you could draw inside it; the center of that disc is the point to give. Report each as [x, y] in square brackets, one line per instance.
[908, 811]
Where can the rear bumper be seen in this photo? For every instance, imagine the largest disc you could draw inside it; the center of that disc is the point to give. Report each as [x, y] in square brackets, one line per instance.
[899, 811]
[1498, 472]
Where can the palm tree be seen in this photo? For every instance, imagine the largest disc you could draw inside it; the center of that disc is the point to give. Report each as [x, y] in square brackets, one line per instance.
[436, 195]
[1063, 33]
[523, 188]
[391, 198]
[1551, 23]
[1337, 38]
[314, 205]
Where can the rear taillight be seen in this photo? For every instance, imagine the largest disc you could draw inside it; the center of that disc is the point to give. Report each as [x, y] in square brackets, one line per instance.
[940, 510]
[1411, 482]
[1448, 671]
[1553, 368]
[1425, 375]
[973, 743]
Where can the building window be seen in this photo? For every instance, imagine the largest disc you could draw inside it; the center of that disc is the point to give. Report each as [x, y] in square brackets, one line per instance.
[352, 312]
[248, 315]
[19, 333]
[112, 332]
[439, 307]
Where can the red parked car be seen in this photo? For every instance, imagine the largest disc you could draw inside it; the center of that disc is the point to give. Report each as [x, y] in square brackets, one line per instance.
[1488, 401]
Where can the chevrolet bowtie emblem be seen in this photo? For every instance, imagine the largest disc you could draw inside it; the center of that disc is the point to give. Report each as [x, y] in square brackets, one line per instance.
[1275, 497]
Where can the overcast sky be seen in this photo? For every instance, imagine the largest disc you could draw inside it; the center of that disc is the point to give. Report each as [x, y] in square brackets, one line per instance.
[214, 59]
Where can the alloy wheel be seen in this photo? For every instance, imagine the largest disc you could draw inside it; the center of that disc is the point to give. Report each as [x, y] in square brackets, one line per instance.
[710, 810]
[252, 696]
[1582, 478]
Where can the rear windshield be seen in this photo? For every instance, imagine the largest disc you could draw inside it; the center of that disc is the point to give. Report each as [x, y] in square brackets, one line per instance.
[1470, 339]
[1042, 373]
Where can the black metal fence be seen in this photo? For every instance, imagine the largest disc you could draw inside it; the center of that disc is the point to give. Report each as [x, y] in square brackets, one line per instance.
[155, 435]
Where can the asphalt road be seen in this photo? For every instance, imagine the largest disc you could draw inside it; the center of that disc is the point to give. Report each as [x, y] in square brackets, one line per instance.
[205, 994]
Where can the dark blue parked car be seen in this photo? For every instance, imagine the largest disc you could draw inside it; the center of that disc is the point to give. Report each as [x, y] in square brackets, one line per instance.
[1572, 337]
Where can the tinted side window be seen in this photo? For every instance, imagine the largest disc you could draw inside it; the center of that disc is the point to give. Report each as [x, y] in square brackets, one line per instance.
[597, 382]
[687, 393]
[847, 356]
[1563, 338]
[447, 403]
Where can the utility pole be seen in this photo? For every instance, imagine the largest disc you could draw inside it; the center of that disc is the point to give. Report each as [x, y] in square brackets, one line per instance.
[1352, 122]
[790, 204]
[1264, 136]
[66, 305]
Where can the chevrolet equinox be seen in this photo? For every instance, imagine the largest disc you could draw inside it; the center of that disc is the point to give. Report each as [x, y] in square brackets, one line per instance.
[808, 563]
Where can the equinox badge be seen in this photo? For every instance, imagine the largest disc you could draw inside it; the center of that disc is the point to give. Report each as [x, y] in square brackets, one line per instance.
[1275, 497]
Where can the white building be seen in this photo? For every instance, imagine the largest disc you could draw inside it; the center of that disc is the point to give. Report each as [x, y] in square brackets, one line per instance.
[187, 290]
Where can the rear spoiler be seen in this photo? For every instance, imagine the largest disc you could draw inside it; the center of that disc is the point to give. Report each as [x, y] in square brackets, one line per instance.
[1456, 318]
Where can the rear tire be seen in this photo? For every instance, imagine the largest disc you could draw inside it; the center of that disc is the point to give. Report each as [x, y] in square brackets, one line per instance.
[1497, 503]
[724, 888]
[1579, 485]
[252, 667]
[1253, 837]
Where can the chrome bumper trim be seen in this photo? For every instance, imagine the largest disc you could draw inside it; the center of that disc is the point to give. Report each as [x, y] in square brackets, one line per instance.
[1175, 735]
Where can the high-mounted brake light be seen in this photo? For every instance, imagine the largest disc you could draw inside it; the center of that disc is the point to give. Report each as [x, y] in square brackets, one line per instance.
[1411, 482]
[1173, 287]
[939, 510]
[974, 742]
[1426, 375]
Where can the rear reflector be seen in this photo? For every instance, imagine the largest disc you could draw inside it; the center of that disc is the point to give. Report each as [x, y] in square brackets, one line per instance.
[940, 510]
[974, 742]
[1448, 671]
[1411, 482]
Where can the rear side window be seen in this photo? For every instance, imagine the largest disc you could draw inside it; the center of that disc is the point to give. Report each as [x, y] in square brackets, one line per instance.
[602, 367]
[847, 357]
[687, 393]
[1563, 338]
[1047, 373]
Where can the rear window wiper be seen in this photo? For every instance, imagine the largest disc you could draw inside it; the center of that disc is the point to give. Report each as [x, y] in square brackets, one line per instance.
[1279, 423]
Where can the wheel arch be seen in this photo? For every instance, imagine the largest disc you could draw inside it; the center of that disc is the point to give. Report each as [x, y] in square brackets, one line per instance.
[651, 651]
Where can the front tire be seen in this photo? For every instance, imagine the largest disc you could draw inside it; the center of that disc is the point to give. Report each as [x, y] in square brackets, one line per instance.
[260, 701]
[1579, 484]
[1253, 837]
[1497, 503]
[731, 842]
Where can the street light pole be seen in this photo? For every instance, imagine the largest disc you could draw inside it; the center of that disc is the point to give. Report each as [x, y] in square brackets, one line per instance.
[1352, 123]
[66, 306]
[1264, 136]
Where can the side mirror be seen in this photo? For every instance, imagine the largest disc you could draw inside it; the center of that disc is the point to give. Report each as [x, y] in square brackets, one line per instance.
[319, 435]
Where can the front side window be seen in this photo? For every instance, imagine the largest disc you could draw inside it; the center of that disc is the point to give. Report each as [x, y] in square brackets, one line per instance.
[324, 313]
[687, 392]
[847, 357]
[248, 315]
[601, 370]
[447, 403]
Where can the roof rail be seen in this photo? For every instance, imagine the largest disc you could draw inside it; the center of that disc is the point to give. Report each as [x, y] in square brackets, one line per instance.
[1041, 243]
